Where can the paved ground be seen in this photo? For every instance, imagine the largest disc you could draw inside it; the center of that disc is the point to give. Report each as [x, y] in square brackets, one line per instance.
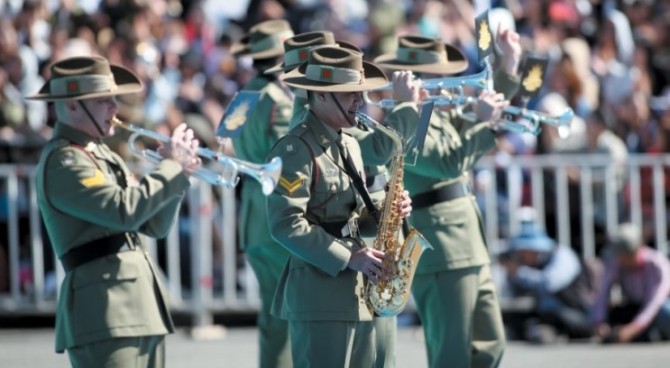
[32, 348]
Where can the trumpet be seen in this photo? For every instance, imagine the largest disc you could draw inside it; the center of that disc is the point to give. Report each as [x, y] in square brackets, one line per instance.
[521, 120]
[455, 85]
[266, 174]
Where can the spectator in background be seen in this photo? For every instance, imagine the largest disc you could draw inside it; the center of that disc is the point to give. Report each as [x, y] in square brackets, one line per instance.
[644, 277]
[567, 81]
[550, 142]
[614, 48]
[579, 53]
[553, 276]
[634, 121]
[601, 140]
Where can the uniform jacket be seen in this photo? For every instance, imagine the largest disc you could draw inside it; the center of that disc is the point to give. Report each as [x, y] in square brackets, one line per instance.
[452, 147]
[85, 193]
[316, 283]
[267, 124]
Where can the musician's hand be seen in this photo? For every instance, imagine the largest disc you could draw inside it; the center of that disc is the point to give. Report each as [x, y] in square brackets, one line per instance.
[510, 45]
[182, 147]
[489, 107]
[370, 262]
[406, 88]
[405, 204]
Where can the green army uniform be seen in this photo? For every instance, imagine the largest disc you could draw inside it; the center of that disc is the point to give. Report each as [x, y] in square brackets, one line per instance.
[83, 195]
[315, 189]
[112, 309]
[313, 213]
[453, 290]
[455, 296]
[268, 122]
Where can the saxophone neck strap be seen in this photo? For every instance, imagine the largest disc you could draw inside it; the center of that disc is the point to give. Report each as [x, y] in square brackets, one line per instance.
[359, 184]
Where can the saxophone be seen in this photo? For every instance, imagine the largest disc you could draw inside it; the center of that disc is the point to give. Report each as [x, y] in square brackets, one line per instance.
[389, 297]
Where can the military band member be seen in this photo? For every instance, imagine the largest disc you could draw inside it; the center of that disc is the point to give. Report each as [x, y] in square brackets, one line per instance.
[376, 148]
[268, 122]
[314, 213]
[112, 309]
[455, 296]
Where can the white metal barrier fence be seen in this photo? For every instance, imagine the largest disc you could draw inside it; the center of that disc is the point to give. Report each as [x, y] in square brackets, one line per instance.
[202, 247]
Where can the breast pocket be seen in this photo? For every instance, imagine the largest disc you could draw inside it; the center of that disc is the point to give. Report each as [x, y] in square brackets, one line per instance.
[332, 196]
[105, 295]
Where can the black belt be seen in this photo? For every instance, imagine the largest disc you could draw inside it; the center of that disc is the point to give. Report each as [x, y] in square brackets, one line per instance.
[376, 183]
[93, 250]
[341, 229]
[443, 194]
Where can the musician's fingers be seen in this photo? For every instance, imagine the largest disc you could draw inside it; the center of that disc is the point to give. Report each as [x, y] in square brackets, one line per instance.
[377, 254]
[372, 277]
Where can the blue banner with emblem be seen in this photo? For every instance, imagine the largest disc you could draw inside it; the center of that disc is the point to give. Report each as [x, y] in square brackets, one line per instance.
[237, 114]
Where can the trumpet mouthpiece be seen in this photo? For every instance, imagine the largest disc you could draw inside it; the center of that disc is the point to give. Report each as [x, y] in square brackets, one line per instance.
[116, 122]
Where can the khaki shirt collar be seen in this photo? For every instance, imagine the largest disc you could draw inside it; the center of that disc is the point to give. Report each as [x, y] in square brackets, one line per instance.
[326, 135]
[73, 135]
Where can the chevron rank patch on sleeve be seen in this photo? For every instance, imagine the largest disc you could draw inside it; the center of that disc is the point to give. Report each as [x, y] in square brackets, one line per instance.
[98, 178]
[291, 185]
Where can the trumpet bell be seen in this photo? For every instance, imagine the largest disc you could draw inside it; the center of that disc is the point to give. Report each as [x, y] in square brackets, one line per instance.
[266, 174]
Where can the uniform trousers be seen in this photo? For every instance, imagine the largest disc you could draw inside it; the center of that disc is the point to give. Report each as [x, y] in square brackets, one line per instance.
[122, 352]
[385, 341]
[461, 318]
[332, 344]
[267, 261]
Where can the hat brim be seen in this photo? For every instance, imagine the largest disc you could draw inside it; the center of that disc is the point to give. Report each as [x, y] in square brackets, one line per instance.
[456, 63]
[279, 68]
[373, 78]
[126, 82]
[242, 49]
[282, 68]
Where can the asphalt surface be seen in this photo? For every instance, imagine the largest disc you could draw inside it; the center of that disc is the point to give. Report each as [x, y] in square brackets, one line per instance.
[33, 348]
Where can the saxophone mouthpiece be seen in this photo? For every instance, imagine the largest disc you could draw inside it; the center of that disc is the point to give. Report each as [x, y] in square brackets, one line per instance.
[365, 119]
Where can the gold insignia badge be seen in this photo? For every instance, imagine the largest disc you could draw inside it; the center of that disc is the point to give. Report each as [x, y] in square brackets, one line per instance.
[484, 36]
[533, 80]
[98, 178]
[238, 116]
[290, 186]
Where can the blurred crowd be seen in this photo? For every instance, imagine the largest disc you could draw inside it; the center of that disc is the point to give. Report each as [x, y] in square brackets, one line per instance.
[608, 56]
[609, 60]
